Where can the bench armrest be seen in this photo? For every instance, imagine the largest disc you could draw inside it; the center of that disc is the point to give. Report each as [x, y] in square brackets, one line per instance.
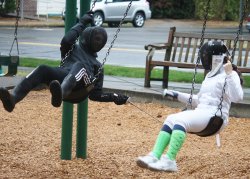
[156, 46]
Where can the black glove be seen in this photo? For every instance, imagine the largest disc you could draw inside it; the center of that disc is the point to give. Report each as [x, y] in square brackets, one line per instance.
[87, 18]
[120, 99]
[170, 94]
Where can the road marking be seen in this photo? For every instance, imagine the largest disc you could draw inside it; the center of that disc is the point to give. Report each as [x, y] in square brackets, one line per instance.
[39, 44]
[114, 48]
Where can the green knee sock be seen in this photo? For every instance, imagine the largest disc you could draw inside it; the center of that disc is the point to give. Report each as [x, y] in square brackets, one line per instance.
[176, 141]
[161, 143]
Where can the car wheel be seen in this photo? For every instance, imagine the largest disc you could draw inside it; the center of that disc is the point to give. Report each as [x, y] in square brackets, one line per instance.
[139, 20]
[113, 24]
[98, 18]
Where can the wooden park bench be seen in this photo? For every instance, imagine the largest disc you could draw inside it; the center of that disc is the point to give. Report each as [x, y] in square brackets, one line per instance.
[181, 50]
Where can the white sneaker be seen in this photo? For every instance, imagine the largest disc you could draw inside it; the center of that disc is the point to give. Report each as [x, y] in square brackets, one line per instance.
[164, 164]
[144, 161]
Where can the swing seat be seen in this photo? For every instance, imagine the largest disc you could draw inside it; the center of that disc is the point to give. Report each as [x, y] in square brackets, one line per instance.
[79, 95]
[212, 128]
[12, 62]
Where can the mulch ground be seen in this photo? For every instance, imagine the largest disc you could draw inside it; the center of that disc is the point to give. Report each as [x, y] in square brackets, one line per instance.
[117, 135]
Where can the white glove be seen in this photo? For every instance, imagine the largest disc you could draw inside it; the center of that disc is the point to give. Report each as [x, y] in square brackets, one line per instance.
[170, 94]
[228, 67]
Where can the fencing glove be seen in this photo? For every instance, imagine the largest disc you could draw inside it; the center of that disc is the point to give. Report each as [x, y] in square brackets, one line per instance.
[120, 99]
[170, 94]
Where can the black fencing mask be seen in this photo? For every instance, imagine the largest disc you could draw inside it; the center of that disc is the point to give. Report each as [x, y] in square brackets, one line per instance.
[208, 50]
[94, 38]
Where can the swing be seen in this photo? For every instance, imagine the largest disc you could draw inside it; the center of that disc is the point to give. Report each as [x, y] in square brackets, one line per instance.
[216, 121]
[8, 60]
[78, 95]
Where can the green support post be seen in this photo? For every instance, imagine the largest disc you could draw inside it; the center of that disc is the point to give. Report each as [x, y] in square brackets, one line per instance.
[82, 126]
[67, 126]
[82, 107]
[67, 116]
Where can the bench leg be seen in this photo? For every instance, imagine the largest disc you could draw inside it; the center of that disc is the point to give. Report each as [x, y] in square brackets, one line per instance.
[147, 75]
[165, 77]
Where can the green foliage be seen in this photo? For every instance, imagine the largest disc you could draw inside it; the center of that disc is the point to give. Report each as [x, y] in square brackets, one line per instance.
[172, 9]
[7, 7]
[219, 9]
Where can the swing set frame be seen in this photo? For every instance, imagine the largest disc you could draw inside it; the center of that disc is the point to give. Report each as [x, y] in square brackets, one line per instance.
[11, 61]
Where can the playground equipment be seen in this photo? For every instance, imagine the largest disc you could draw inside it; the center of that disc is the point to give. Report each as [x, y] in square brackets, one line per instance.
[82, 106]
[8, 60]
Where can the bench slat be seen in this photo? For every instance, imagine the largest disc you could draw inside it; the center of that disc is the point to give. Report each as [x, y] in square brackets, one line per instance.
[246, 55]
[175, 48]
[181, 49]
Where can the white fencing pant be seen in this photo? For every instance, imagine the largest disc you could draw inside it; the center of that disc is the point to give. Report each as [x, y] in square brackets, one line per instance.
[192, 120]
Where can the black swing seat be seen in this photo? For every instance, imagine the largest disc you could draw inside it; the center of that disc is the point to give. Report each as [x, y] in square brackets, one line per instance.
[79, 95]
[12, 62]
[213, 126]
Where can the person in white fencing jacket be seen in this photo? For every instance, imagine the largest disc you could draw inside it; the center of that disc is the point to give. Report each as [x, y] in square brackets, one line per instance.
[222, 85]
[78, 71]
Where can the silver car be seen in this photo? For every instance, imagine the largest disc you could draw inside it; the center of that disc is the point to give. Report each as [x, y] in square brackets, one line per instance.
[112, 11]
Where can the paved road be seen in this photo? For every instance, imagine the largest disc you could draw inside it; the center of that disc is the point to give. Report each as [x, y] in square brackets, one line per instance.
[128, 49]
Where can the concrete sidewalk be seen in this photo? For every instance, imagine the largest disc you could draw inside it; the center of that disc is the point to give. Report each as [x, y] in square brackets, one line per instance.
[134, 88]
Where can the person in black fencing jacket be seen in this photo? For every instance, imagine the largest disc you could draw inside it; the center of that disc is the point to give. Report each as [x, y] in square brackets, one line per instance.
[79, 75]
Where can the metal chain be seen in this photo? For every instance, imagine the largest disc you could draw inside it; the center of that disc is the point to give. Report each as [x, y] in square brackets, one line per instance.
[93, 5]
[189, 104]
[239, 30]
[233, 53]
[16, 27]
[114, 38]
[68, 53]
[221, 98]
[111, 44]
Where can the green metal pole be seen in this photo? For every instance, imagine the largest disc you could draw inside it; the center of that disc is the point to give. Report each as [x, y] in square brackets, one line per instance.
[70, 14]
[67, 125]
[82, 108]
[82, 126]
[84, 6]
[67, 116]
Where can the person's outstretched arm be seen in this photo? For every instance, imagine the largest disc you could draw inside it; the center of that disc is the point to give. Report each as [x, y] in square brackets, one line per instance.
[180, 96]
[97, 94]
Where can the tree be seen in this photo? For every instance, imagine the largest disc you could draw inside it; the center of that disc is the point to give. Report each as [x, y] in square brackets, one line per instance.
[219, 9]
[7, 6]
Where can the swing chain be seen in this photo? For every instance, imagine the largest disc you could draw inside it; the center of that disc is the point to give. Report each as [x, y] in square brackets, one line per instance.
[239, 29]
[73, 46]
[93, 5]
[198, 58]
[16, 27]
[68, 53]
[233, 53]
[221, 98]
[111, 44]
[114, 38]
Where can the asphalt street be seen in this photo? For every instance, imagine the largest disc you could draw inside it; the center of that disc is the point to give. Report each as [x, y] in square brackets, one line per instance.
[128, 49]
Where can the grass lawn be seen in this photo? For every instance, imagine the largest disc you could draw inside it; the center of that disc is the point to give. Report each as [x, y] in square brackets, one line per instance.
[175, 76]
